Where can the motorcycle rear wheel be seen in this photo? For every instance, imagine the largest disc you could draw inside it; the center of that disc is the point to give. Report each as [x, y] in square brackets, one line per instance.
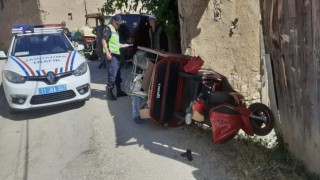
[259, 127]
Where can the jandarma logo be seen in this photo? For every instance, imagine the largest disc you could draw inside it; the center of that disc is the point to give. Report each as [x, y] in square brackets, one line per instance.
[51, 77]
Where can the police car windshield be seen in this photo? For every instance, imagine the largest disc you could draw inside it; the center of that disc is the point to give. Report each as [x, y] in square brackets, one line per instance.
[39, 44]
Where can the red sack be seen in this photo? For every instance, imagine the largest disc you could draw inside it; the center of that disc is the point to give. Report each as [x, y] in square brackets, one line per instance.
[193, 65]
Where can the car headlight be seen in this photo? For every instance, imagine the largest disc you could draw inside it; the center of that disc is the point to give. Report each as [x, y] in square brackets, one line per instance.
[14, 77]
[81, 69]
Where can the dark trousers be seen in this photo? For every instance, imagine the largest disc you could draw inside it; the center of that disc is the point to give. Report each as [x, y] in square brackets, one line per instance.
[114, 74]
[102, 55]
[120, 58]
[100, 46]
[103, 60]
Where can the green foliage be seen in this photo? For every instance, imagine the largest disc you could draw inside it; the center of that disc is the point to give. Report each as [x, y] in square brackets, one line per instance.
[166, 11]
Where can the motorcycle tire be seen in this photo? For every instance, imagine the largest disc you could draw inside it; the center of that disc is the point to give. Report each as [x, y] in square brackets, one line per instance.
[259, 127]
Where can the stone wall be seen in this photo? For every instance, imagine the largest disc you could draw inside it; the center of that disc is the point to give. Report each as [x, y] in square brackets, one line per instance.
[232, 51]
[15, 12]
[60, 10]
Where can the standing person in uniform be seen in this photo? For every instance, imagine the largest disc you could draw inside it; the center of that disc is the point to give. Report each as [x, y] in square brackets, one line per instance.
[157, 36]
[65, 29]
[111, 47]
[99, 32]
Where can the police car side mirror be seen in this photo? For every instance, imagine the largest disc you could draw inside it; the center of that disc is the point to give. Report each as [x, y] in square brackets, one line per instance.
[3, 55]
[80, 47]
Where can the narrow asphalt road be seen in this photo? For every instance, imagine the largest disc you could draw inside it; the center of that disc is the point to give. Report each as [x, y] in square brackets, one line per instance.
[99, 140]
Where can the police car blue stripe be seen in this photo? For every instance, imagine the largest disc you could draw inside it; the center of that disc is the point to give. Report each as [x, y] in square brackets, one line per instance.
[24, 69]
[38, 72]
[74, 55]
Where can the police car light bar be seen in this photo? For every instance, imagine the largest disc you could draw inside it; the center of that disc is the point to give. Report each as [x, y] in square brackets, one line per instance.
[45, 28]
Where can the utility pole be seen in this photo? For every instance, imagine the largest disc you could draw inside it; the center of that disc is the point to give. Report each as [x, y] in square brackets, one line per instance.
[85, 7]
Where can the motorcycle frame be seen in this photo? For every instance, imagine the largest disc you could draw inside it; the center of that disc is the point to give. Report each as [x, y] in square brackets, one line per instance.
[226, 125]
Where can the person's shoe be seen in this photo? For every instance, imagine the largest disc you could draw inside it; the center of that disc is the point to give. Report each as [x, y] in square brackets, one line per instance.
[137, 120]
[120, 93]
[110, 95]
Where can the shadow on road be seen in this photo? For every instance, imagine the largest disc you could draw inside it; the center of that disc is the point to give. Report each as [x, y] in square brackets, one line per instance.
[101, 76]
[210, 160]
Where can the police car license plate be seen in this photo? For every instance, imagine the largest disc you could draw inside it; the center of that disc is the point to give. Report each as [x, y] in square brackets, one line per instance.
[52, 89]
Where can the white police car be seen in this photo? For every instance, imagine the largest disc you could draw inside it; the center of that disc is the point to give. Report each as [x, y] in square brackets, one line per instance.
[43, 68]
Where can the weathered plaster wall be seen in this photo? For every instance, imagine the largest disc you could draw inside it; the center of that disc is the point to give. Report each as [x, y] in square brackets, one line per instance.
[59, 10]
[13, 12]
[237, 57]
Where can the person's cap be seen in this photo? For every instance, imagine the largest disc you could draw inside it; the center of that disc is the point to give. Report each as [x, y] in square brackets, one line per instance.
[117, 18]
[152, 16]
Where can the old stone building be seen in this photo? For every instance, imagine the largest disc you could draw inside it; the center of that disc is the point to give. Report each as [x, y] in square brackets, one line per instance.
[13, 12]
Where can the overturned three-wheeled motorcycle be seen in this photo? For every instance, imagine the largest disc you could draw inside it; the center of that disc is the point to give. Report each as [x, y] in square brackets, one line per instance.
[172, 89]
